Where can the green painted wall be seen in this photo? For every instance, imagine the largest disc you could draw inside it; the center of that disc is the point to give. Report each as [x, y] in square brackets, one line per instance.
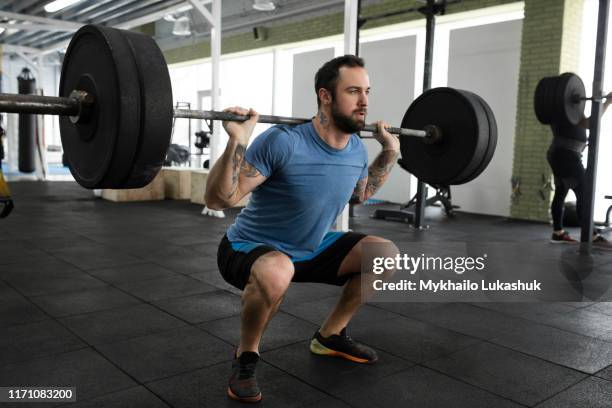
[550, 45]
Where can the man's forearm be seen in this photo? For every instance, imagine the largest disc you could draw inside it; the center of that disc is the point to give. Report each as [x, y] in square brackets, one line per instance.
[222, 181]
[379, 170]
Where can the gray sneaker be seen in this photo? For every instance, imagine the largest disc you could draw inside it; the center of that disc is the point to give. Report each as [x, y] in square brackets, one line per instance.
[243, 383]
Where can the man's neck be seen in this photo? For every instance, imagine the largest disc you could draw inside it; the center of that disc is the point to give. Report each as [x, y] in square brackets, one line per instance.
[327, 130]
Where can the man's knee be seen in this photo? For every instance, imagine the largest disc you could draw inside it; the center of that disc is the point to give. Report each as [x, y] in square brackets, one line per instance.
[271, 275]
[387, 250]
[379, 247]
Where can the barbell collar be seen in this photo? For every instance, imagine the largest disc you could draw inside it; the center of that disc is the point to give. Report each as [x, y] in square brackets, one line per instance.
[578, 98]
[37, 104]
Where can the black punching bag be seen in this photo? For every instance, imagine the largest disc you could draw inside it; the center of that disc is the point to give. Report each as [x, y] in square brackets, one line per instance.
[27, 126]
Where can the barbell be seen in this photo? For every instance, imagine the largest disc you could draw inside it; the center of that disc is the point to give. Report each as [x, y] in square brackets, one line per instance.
[115, 108]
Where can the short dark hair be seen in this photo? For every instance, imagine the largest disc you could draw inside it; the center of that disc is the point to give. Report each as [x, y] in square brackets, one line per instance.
[327, 76]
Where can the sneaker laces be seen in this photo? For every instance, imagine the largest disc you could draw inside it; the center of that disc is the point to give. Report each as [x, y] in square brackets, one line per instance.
[347, 338]
[247, 370]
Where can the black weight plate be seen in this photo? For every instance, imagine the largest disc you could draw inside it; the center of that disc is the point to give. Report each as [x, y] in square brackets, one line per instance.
[481, 144]
[569, 111]
[156, 113]
[458, 119]
[491, 143]
[100, 152]
[540, 104]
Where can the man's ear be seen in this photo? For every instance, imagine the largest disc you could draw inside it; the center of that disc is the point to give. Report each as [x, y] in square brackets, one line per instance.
[325, 96]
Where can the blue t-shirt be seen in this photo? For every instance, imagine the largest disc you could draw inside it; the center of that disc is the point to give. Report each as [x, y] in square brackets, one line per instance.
[308, 184]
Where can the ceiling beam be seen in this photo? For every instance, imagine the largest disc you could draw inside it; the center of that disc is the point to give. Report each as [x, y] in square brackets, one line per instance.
[41, 20]
[203, 11]
[18, 48]
[35, 27]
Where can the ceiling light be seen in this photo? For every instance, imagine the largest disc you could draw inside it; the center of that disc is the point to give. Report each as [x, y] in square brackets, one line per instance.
[59, 5]
[264, 5]
[182, 26]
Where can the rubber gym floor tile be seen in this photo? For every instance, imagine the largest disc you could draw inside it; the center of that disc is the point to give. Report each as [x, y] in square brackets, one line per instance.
[202, 307]
[120, 324]
[32, 340]
[132, 273]
[84, 301]
[299, 292]
[586, 322]
[317, 311]
[53, 267]
[59, 243]
[187, 264]
[542, 312]
[194, 240]
[161, 355]
[96, 257]
[22, 255]
[600, 307]
[332, 374]
[411, 339]
[208, 388]
[132, 397]
[472, 321]
[213, 277]
[606, 373]
[592, 393]
[40, 283]
[519, 377]
[166, 288]
[568, 349]
[15, 309]
[87, 371]
[171, 252]
[423, 388]
[410, 309]
[327, 402]
[282, 330]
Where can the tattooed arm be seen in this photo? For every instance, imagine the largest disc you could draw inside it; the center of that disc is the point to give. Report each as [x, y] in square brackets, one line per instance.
[232, 177]
[379, 170]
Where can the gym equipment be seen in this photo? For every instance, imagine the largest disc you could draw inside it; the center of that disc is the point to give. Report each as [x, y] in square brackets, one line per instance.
[115, 103]
[6, 202]
[561, 99]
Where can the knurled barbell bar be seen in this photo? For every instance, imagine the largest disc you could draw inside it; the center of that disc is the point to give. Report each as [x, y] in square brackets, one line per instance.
[115, 108]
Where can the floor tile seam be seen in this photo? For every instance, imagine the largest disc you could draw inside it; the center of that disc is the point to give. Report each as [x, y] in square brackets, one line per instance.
[116, 391]
[85, 271]
[490, 342]
[300, 379]
[461, 380]
[136, 297]
[50, 317]
[447, 354]
[561, 391]
[82, 346]
[545, 325]
[436, 325]
[602, 378]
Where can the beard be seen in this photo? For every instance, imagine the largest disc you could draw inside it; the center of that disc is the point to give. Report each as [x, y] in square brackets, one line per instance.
[344, 122]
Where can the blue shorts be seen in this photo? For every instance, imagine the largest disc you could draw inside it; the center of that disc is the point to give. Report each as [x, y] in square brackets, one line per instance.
[235, 259]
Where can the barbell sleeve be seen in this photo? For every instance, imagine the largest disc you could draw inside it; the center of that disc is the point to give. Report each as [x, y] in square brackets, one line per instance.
[37, 104]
